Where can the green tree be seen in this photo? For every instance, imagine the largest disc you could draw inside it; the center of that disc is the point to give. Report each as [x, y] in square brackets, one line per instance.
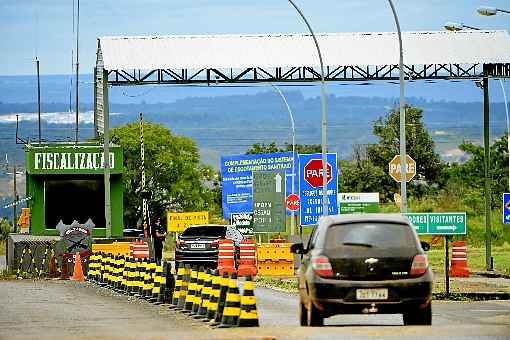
[471, 173]
[420, 147]
[5, 228]
[174, 175]
[272, 147]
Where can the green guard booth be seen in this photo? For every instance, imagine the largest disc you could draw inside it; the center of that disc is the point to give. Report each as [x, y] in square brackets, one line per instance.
[66, 182]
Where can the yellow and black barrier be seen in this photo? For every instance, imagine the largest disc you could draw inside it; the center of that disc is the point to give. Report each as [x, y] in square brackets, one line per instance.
[202, 293]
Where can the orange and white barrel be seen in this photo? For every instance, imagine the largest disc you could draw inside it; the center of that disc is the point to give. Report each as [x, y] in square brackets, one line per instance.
[139, 250]
[226, 256]
[247, 258]
[458, 264]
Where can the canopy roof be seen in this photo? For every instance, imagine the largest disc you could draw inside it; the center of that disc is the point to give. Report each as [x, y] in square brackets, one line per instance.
[297, 50]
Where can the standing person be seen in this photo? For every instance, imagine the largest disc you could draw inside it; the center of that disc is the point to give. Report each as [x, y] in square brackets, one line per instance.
[158, 235]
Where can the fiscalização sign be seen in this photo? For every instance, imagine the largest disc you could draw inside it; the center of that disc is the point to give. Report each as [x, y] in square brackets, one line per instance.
[71, 159]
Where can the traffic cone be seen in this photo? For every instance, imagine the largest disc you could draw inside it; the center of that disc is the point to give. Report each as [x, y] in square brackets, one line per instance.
[90, 272]
[156, 289]
[64, 272]
[135, 276]
[123, 274]
[177, 289]
[190, 296]
[204, 298]
[113, 271]
[248, 316]
[141, 278]
[198, 290]
[214, 296]
[102, 270]
[164, 289]
[131, 276]
[232, 308]
[169, 282]
[146, 280]
[184, 287]
[53, 273]
[221, 299]
[78, 270]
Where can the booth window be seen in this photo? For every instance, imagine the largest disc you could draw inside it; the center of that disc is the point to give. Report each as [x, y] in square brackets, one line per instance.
[70, 200]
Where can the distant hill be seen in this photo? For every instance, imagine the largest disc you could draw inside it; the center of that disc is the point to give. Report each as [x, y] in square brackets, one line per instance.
[230, 124]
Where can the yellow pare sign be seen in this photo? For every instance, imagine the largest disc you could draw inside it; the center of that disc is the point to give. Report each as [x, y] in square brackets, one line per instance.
[178, 222]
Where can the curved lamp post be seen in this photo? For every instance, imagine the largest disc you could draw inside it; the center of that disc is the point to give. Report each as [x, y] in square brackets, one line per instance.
[490, 11]
[455, 26]
[403, 151]
[293, 127]
[324, 116]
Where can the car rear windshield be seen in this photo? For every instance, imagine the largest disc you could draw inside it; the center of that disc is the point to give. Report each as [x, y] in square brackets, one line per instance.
[208, 231]
[369, 234]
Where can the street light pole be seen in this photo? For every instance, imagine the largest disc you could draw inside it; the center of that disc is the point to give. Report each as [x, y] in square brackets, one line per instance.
[324, 123]
[507, 129]
[403, 152]
[292, 125]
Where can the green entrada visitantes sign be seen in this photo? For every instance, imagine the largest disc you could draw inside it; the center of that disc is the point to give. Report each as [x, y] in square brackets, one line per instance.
[439, 223]
[71, 159]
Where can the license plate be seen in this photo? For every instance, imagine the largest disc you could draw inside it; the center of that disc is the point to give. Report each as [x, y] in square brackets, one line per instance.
[197, 246]
[372, 294]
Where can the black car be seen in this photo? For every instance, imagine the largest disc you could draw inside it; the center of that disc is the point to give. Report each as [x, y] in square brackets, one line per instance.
[198, 244]
[131, 232]
[370, 263]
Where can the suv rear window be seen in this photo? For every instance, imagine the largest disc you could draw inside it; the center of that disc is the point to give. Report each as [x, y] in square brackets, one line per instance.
[370, 234]
[211, 231]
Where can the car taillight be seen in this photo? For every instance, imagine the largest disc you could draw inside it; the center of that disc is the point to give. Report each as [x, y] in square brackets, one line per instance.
[179, 243]
[215, 243]
[420, 265]
[321, 266]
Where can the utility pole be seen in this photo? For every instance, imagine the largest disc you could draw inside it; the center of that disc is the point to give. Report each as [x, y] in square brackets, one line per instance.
[38, 98]
[487, 186]
[15, 195]
[77, 71]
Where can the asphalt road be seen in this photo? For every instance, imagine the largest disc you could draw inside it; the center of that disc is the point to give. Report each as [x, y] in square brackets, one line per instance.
[450, 319]
[65, 309]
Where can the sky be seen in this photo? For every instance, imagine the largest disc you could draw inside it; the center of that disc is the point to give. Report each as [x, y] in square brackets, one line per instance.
[44, 28]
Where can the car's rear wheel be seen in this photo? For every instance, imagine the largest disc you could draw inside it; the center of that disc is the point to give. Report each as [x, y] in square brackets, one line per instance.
[418, 316]
[313, 316]
[302, 314]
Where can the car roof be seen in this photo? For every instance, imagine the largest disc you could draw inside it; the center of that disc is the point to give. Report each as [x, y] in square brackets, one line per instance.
[357, 218]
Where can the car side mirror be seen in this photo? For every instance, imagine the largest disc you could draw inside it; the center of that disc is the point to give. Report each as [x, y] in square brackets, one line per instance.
[297, 248]
[425, 245]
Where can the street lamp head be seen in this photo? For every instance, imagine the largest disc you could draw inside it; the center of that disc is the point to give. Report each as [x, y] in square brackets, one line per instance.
[487, 11]
[453, 26]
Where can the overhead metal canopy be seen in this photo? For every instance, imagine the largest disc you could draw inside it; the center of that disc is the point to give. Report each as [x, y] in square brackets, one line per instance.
[293, 58]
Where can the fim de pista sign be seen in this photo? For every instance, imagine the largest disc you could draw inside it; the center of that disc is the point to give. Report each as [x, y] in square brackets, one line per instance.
[62, 159]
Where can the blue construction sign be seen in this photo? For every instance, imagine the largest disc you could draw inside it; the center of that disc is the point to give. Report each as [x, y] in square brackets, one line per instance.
[506, 208]
[237, 178]
[310, 187]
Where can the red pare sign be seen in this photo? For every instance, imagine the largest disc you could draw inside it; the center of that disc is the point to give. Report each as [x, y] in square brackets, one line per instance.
[313, 172]
[292, 202]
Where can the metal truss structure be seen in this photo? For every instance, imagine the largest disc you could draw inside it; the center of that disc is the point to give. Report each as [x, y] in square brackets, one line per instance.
[304, 74]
